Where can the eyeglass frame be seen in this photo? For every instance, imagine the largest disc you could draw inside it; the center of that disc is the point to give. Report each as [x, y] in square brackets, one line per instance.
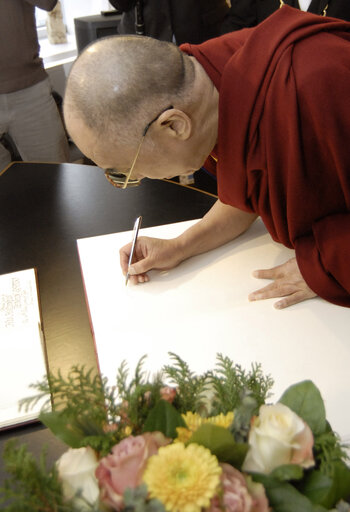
[123, 180]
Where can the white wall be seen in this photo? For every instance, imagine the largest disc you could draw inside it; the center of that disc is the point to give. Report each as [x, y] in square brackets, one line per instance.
[58, 59]
[76, 8]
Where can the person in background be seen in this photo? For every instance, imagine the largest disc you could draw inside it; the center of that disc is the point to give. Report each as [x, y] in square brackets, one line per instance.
[28, 112]
[248, 13]
[180, 21]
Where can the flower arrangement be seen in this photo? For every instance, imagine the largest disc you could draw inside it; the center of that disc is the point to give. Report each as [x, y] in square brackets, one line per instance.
[181, 442]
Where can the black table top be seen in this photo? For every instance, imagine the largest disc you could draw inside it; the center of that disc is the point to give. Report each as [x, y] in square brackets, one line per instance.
[44, 209]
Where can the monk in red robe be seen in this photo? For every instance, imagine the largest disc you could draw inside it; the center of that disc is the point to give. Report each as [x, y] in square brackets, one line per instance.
[271, 106]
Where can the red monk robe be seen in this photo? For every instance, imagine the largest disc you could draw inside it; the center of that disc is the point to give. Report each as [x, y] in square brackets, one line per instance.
[284, 136]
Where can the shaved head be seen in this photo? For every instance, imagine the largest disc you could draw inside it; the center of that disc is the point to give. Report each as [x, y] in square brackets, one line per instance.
[120, 83]
[124, 87]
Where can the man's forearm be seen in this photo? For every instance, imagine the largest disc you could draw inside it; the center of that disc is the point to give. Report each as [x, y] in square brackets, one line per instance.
[47, 5]
[220, 225]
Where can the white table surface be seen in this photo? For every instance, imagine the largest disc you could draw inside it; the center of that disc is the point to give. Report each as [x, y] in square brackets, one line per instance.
[201, 308]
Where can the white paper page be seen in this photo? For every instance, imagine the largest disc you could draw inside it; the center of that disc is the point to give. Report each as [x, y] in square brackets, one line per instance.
[201, 308]
[21, 352]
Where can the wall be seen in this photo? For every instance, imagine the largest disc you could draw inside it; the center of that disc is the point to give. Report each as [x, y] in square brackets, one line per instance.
[58, 59]
[76, 8]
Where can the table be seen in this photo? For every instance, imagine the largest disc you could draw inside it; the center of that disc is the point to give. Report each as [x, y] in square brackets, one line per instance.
[44, 209]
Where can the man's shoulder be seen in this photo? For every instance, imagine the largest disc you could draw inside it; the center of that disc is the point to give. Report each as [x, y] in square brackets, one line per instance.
[226, 44]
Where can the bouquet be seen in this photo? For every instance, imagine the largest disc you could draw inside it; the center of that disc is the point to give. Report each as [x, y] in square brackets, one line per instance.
[181, 442]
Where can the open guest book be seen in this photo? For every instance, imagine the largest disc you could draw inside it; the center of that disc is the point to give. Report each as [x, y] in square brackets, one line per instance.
[201, 308]
[21, 346]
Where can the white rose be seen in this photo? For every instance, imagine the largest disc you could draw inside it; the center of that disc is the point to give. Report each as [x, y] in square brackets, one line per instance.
[278, 436]
[76, 469]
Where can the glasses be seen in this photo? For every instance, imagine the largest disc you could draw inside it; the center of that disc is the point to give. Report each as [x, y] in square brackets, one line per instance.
[123, 179]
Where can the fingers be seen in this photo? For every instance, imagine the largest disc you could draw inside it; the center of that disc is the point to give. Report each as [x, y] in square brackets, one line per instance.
[264, 273]
[124, 254]
[295, 298]
[291, 295]
[138, 279]
[287, 282]
[150, 254]
[275, 289]
[136, 275]
[269, 273]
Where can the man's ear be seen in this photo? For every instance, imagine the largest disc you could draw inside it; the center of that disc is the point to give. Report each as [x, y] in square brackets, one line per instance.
[175, 123]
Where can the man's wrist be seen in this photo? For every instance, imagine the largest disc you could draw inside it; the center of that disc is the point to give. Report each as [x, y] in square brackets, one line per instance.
[182, 247]
[190, 242]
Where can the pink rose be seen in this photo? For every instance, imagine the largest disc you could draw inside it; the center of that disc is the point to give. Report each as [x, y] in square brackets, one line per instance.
[124, 467]
[167, 393]
[240, 494]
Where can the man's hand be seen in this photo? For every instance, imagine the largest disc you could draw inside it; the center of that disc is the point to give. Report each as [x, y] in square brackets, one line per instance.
[220, 225]
[287, 283]
[150, 253]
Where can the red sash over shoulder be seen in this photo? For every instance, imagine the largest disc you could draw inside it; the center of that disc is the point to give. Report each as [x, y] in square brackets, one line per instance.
[284, 136]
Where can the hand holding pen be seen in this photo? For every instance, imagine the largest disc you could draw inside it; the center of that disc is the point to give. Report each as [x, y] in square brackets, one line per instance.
[145, 253]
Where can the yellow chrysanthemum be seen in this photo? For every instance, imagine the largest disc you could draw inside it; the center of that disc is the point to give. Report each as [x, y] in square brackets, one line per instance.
[222, 420]
[183, 435]
[194, 421]
[183, 478]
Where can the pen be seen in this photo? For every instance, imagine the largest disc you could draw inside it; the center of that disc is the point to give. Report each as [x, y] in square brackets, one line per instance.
[137, 226]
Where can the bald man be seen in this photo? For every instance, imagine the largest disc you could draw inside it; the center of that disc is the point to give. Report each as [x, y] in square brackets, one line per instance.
[267, 108]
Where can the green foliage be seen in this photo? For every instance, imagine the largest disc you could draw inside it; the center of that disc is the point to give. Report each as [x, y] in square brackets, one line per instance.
[164, 418]
[329, 449]
[327, 490]
[83, 406]
[284, 497]
[287, 472]
[88, 412]
[330, 481]
[137, 397]
[191, 388]
[30, 487]
[230, 382]
[316, 486]
[305, 400]
[135, 501]
[221, 443]
[64, 427]
[242, 417]
[79, 392]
